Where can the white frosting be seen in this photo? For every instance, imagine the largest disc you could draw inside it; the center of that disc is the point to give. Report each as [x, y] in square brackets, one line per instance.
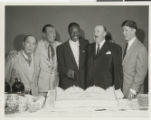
[91, 97]
[90, 93]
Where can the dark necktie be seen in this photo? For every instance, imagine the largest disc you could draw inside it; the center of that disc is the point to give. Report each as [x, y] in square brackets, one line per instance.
[98, 49]
[50, 48]
[125, 50]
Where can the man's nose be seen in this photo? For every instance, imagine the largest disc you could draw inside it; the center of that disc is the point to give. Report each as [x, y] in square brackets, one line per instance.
[75, 33]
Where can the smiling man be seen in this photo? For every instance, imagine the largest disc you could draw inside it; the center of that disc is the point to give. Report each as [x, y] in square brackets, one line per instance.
[104, 61]
[46, 50]
[72, 59]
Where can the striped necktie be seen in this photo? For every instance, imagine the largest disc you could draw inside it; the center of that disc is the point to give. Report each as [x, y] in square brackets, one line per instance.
[51, 52]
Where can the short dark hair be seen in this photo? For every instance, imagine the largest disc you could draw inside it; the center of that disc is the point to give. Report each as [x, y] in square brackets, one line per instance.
[105, 29]
[73, 24]
[45, 27]
[26, 36]
[129, 23]
[108, 36]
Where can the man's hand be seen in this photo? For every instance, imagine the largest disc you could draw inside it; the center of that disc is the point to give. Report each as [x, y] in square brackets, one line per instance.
[12, 54]
[70, 73]
[119, 94]
[131, 95]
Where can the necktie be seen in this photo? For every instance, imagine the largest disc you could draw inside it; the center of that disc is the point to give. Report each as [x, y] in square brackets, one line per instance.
[98, 49]
[51, 52]
[29, 59]
[125, 50]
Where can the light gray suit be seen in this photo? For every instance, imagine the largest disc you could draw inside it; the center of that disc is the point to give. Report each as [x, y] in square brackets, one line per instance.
[17, 68]
[48, 77]
[135, 65]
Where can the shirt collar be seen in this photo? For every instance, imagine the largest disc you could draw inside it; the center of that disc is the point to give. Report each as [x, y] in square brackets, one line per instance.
[130, 42]
[47, 43]
[73, 42]
[101, 43]
[26, 56]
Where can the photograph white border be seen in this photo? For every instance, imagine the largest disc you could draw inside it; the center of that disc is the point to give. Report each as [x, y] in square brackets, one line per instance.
[2, 42]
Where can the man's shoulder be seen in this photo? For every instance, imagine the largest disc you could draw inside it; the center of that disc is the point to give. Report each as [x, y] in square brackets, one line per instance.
[140, 46]
[63, 45]
[91, 45]
[17, 57]
[41, 41]
[58, 43]
[84, 41]
[40, 44]
[114, 46]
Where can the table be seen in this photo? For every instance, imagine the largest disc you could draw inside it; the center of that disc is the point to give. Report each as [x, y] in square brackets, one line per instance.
[51, 112]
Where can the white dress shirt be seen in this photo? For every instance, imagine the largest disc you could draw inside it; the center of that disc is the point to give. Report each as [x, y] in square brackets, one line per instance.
[100, 45]
[130, 42]
[75, 50]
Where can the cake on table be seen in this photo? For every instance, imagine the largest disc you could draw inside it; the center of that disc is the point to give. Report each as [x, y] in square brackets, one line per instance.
[92, 97]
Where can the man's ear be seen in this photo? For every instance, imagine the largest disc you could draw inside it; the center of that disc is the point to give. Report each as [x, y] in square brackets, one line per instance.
[105, 33]
[43, 35]
[23, 44]
[134, 30]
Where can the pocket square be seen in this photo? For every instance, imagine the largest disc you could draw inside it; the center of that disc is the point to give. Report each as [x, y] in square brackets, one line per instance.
[108, 52]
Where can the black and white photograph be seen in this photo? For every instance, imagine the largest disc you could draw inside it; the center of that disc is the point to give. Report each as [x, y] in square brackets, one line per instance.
[76, 61]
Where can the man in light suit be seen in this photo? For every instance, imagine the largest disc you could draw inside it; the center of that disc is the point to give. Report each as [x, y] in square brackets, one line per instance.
[104, 62]
[72, 59]
[24, 66]
[46, 50]
[135, 61]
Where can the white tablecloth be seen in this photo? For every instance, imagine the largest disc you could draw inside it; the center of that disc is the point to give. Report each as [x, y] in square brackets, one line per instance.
[122, 111]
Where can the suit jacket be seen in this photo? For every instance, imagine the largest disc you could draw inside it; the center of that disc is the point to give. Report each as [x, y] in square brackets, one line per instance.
[135, 65]
[48, 77]
[17, 67]
[105, 68]
[67, 61]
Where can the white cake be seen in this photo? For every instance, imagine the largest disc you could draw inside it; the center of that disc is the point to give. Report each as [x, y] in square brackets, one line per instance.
[91, 97]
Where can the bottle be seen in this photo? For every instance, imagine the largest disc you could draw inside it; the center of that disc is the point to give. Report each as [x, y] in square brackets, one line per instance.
[7, 87]
[18, 86]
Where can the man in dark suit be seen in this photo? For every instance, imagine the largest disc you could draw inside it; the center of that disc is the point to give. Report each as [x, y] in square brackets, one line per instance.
[72, 59]
[104, 61]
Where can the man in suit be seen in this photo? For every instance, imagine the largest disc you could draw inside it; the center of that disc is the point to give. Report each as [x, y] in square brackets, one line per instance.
[104, 61]
[135, 61]
[72, 59]
[24, 66]
[46, 50]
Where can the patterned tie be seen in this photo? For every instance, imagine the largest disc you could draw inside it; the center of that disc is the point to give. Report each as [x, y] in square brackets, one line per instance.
[125, 50]
[51, 52]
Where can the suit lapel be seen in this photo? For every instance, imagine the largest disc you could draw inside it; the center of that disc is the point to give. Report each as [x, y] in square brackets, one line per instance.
[81, 52]
[71, 56]
[132, 47]
[103, 49]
